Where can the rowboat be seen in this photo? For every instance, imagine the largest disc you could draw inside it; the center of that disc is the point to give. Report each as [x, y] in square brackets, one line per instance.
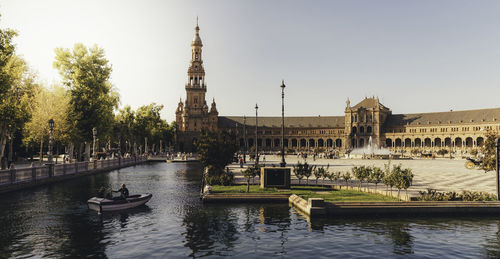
[103, 204]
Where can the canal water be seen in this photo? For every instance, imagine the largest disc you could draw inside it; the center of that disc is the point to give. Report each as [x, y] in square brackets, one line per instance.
[53, 221]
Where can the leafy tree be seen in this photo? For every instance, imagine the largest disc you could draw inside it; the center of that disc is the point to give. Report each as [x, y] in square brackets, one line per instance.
[318, 173]
[388, 176]
[407, 180]
[216, 149]
[299, 171]
[376, 176]
[250, 173]
[325, 173]
[16, 90]
[489, 151]
[397, 177]
[361, 173]
[346, 177]
[48, 104]
[307, 171]
[124, 127]
[148, 123]
[337, 176]
[86, 73]
[331, 176]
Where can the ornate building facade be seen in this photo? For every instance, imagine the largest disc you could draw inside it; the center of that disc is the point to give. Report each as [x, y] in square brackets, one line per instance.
[367, 123]
[370, 122]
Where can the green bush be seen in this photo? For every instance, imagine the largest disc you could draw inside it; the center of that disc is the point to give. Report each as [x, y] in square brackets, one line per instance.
[222, 179]
[433, 195]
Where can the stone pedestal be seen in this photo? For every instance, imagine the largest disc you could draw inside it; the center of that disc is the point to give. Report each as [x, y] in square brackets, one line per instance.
[278, 177]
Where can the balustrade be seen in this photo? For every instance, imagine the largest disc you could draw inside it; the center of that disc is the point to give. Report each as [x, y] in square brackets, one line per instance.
[33, 173]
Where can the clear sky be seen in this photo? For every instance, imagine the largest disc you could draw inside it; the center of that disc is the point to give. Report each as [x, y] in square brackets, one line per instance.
[416, 56]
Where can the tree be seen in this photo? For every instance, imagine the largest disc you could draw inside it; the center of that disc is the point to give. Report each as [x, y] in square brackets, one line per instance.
[216, 149]
[307, 171]
[250, 173]
[318, 173]
[48, 104]
[346, 176]
[337, 176]
[148, 123]
[299, 171]
[124, 126]
[16, 90]
[361, 173]
[407, 180]
[325, 174]
[376, 176]
[86, 73]
[489, 151]
[397, 178]
[331, 176]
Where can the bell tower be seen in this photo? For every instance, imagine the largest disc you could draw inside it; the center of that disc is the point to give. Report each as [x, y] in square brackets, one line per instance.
[193, 115]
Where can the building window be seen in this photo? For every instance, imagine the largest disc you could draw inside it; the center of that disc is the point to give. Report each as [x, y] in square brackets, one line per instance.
[195, 100]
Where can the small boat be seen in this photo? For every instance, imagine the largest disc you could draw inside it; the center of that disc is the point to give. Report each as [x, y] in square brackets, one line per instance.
[102, 204]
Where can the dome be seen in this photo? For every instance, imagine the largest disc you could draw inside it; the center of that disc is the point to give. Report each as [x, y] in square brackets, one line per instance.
[197, 39]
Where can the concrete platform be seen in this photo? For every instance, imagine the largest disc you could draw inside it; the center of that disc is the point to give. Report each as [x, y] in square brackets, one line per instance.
[245, 197]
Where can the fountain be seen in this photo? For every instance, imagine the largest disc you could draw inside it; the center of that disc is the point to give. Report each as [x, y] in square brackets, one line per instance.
[371, 151]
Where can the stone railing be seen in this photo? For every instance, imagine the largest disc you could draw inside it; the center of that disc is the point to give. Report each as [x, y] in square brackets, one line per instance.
[35, 173]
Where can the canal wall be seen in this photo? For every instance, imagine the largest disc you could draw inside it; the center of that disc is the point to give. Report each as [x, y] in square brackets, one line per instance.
[245, 197]
[316, 207]
[20, 178]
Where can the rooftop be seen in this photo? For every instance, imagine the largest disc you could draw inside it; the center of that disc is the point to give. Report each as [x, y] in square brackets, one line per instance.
[451, 117]
[290, 122]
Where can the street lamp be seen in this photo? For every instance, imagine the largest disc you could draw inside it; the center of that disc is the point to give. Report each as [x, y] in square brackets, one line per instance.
[256, 136]
[244, 139]
[94, 135]
[51, 130]
[497, 166]
[283, 162]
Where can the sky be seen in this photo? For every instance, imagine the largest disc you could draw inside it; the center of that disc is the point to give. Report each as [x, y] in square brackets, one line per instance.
[416, 56]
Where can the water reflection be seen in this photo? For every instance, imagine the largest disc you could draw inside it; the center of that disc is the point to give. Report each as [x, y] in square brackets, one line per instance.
[396, 230]
[209, 232]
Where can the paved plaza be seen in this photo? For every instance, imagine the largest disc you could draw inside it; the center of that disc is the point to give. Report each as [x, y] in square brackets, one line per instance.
[440, 174]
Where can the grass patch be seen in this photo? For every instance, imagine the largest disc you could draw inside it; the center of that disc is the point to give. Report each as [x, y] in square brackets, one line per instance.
[305, 192]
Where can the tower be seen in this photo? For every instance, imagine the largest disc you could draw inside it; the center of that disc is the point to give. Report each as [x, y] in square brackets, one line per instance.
[363, 122]
[193, 116]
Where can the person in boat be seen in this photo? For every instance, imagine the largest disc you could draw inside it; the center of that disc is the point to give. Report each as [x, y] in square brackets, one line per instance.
[123, 191]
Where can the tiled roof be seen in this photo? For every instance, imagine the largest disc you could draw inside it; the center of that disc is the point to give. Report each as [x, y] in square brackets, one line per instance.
[368, 103]
[290, 122]
[451, 117]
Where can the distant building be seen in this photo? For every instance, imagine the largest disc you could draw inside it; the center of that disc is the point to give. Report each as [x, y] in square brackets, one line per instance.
[368, 122]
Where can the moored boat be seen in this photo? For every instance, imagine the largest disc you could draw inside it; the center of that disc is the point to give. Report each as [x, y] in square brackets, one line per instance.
[102, 204]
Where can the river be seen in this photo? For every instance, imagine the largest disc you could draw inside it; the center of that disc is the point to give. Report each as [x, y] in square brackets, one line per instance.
[53, 221]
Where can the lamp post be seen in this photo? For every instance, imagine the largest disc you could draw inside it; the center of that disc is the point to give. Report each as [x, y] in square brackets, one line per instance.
[283, 162]
[51, 130]
[244, 139]
[94, 135]
[236, 133]
[256, 136]
[497, 166]
[120, 144]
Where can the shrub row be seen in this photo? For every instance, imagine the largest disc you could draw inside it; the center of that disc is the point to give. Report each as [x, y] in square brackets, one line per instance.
[433, 195]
